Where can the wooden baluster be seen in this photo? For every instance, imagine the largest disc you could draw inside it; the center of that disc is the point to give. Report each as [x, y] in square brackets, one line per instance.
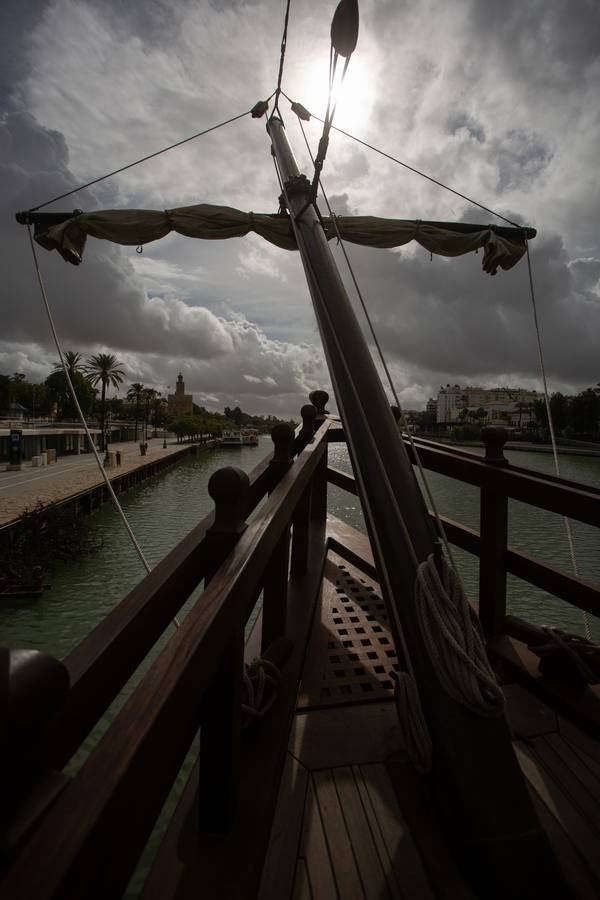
[307, 432]
[319, 491]
[275, 585]
[283, 452]
[319, 400]
[33, 686]
[220, 735]
[300, 523]
[494, 539]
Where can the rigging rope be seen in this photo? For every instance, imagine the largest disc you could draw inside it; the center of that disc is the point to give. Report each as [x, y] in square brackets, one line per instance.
[92, 444]
[586, 621]
[416, 733]
[403, 422]
[416, 171]
[439, 523]
[138, 161]
[282, 55]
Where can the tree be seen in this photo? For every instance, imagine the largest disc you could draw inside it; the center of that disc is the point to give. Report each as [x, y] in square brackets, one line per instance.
[585, 412]
[149, 396]
[73, 362]
[104, 368]
[57, 393]
[136, 392]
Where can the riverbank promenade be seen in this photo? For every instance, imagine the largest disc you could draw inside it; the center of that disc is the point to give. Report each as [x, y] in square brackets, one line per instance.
[71, 475]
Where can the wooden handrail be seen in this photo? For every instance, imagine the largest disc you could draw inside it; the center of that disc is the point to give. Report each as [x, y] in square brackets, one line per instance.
[569, 588]
[559, 495]
[115, 798]
[104, 661]
[108, 656]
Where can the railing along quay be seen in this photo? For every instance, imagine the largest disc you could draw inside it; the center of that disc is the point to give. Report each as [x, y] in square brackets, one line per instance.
[105, 813]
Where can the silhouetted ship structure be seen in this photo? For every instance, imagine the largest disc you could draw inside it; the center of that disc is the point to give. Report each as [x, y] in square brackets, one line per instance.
[353, 740]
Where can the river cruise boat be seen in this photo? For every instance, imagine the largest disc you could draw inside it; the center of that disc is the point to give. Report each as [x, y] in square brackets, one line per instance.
[316, 713]
[246, 437]
[249, 437]
[231, 439]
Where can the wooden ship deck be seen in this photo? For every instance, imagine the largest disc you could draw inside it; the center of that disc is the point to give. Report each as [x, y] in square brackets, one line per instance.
[315, 799]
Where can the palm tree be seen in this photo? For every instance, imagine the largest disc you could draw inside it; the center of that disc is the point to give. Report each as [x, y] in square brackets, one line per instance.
[150, 395]
[73, 362]
[106, 369]
[136, 392]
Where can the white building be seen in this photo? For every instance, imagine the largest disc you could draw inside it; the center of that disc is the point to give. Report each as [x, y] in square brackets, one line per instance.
[504, 406]
[449, 403]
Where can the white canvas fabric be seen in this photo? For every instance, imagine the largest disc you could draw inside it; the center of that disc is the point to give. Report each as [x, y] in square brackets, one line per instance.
[136, 227]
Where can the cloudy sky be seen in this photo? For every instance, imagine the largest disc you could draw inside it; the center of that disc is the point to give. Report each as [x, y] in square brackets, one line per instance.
[499, 100]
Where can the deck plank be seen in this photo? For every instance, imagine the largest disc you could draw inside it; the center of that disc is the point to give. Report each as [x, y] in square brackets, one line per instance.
[346, 735]
[343, 861]
[302, 889]
[561, 807]
[380, 800]
[279, 870]
[572, 865]
[313, 850]
[372, 871]
[528, 716]
[566, 777]
[578, 766]
[587, 747]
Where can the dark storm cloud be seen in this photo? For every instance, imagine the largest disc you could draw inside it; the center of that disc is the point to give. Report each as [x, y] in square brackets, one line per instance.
[103, 303]
[429, 315]
[497, 100]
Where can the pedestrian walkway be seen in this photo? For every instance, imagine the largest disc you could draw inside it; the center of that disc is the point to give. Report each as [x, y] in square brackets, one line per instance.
[70, 475]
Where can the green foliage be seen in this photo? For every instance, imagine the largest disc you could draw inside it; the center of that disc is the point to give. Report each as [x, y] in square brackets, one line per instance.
[466, 433]
[57, 392]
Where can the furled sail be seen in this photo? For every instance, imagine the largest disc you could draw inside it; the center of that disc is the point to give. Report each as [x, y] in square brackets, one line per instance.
[137, 226]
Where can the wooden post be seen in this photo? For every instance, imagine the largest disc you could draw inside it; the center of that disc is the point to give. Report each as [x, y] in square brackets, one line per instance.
[275, 585]
[220, 734]
[319, 499]
[319, 399]
[494, 539]
[283, 439]
[275, 591]
[300, 525]
[33, 686]
[307, 432]
[228, 487]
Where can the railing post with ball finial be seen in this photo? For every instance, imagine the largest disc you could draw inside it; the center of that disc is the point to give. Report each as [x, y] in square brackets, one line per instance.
[319, 498]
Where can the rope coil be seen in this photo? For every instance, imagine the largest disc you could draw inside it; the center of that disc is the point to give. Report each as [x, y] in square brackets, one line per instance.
[258, 676]
[452, 637]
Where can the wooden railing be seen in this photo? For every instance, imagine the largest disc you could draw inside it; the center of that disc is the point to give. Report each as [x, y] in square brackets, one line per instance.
[105, 814]
[82, 836]
[498, 481]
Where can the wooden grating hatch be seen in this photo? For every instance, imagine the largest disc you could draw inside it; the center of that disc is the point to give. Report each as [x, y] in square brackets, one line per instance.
[352, 653]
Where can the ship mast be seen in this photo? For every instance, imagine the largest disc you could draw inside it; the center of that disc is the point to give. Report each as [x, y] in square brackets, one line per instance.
[479, 784]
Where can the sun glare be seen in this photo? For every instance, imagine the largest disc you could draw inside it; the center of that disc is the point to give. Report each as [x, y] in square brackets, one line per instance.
[354, 96]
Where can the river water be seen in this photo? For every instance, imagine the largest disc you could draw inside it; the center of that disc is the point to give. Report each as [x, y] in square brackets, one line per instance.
[163, 510]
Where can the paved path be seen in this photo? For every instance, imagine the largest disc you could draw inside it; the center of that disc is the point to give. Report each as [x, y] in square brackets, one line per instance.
[70, 475]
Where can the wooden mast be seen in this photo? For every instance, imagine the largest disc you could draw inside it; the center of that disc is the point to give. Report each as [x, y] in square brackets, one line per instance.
[479, 785]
